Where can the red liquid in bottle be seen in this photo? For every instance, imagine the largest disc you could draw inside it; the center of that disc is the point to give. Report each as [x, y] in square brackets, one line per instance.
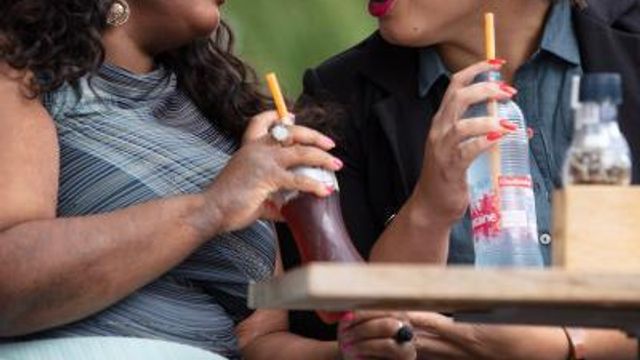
[318, 229]
[320, 234]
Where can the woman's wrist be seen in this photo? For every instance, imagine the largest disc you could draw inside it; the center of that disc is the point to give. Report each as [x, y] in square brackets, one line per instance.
[548, 343]
[423, 213]
[204, 215]
[413, 221]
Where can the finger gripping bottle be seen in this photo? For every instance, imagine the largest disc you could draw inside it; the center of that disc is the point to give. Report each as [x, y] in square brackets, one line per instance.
[502, 202]
[317, 226]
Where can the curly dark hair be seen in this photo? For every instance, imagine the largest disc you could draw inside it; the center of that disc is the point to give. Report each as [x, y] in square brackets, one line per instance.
[60, 41]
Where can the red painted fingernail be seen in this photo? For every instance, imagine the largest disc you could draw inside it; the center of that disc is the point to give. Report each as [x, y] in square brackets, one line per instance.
[497, 62]
[508, 89]
[508, 125]
[494, 136]
[348, 317]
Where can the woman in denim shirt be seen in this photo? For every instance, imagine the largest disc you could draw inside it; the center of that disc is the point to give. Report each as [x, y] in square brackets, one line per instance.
[406, 151]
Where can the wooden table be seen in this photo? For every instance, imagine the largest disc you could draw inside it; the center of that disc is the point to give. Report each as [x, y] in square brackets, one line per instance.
[536, 297]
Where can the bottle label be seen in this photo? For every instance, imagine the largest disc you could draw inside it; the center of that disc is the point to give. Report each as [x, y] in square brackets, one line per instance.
[515, 181]
[523, 186]
[514, 219]
[485, 216]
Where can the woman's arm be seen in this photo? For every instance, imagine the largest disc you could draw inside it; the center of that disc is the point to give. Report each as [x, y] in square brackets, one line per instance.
[425, 239]
[54, 271]
[441, 197]
[440, 337]
[609, 345]
[264, 336]
[404, 239]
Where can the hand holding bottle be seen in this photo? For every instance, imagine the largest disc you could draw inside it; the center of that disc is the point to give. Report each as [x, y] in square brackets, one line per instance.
[262, 167]
[454, 142]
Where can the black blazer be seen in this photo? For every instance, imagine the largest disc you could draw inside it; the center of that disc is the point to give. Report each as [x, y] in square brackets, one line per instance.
[385, 134]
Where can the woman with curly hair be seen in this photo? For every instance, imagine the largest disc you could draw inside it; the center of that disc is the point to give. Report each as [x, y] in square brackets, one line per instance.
[135, 169]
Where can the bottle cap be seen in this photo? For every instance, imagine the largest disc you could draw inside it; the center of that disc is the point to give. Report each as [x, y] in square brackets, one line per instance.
[323, 176]
[600, 87]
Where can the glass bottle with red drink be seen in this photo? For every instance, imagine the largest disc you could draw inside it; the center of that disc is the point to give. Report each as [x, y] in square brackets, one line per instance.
[318, 228]
[316, 223]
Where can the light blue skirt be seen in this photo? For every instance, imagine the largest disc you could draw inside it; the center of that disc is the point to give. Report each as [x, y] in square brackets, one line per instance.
[102, 348]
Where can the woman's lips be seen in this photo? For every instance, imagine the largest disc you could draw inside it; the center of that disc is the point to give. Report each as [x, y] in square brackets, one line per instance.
[380, 8]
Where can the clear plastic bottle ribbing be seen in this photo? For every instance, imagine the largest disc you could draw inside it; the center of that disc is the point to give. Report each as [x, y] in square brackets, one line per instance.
[502, 200]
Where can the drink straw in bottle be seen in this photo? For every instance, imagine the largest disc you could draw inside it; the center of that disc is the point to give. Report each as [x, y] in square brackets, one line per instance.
[490, 36]
[276, 94]
[492, 106]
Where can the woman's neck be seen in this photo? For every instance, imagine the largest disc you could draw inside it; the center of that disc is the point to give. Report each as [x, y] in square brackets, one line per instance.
[519, 28]
[121, 49]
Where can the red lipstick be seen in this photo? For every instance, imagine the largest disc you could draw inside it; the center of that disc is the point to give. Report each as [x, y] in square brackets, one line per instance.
[380, 8]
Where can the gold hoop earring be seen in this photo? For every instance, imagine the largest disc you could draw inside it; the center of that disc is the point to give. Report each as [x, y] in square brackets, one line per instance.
[119, 13]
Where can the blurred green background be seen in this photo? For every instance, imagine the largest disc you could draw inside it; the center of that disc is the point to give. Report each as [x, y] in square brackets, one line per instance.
[289, 36]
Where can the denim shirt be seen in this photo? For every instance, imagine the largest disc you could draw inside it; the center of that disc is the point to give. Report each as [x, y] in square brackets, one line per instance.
[544, 84]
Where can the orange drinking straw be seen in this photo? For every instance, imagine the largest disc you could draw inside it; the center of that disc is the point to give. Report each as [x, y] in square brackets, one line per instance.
[492, 106]
[490, 36]
[276, 93]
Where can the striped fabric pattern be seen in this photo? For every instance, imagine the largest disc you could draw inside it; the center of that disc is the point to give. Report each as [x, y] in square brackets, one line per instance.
[102, 348]
[127, 139]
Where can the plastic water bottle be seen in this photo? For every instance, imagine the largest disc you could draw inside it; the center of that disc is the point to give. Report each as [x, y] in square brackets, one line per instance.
[503, 212]
[599, 153]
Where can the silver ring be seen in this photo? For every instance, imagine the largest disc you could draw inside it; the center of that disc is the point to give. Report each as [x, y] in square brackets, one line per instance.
[280, 133]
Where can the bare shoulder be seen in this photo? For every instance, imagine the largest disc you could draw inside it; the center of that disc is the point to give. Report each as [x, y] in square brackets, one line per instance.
[29, 164]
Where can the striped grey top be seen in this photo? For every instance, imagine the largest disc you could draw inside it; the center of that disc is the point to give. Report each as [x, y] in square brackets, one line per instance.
[127, 139]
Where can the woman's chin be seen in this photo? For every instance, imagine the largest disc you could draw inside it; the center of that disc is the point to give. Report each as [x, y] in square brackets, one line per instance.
[206, 23]
[402, 35]
[205, 29]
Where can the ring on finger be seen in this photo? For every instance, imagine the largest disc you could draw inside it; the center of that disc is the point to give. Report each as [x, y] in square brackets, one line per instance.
[281, 133]
[404, 334]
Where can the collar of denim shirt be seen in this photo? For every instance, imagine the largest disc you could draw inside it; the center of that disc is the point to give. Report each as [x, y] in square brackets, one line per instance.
[559, 40]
